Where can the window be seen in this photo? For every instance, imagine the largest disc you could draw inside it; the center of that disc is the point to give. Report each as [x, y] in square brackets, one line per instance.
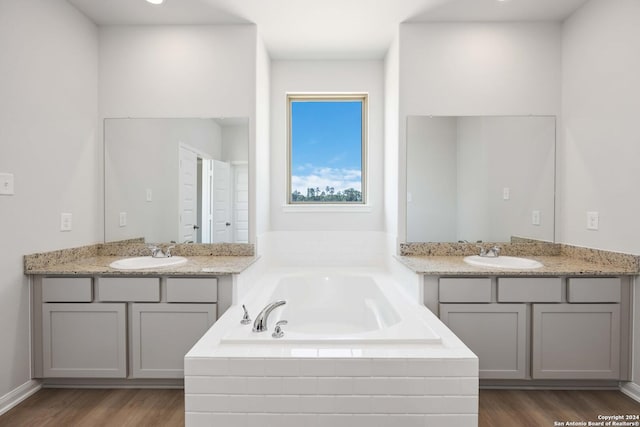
[327, 149]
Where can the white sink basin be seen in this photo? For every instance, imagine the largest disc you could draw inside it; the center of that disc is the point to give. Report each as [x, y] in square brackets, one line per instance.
[143, 262]
[511, 262]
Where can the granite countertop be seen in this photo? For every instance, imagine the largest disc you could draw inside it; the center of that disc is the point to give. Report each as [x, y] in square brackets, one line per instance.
[202, 260]
[552, 266]
[196, 266]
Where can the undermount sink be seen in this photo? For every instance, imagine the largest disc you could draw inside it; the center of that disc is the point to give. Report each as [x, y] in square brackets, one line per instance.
[143, 262]
[511, 262]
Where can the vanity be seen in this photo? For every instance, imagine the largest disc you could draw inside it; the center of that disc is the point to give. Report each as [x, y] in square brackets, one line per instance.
[567, 323]
[93, 324]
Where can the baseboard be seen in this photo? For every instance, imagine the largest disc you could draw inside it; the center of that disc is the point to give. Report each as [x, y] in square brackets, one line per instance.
[632, 390]
[16, 396]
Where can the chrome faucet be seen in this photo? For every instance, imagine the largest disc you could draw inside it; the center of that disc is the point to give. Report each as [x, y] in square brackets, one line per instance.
[156, 251]
[260, 324]
[493, 252]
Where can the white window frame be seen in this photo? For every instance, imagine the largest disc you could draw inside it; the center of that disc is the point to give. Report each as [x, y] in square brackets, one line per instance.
[292, 206]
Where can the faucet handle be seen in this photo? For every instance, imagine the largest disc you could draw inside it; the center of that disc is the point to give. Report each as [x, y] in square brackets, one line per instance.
[245, 318]
[496, 250]
[483, 251]
[278, 332]
[156, 252]
[167, 252]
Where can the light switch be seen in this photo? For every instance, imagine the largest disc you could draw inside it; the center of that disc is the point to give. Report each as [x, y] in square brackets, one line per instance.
[592, 220]
[506, 193]
[66, 221]
[6, 184]
[123, 219]
[149, 195]
[535, 217]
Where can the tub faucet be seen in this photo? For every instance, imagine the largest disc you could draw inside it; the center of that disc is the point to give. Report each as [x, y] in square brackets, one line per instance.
[260, 324]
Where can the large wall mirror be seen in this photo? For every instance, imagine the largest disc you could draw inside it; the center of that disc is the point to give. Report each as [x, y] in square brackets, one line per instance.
[177, 180]
[480, 178]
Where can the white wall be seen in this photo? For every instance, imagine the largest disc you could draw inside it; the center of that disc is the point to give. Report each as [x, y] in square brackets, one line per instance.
[476, 69]
[180, 71]
[600, 148]
[327, 76]
[261, 154]
[391, 135]
[235, 143]
[48, 140]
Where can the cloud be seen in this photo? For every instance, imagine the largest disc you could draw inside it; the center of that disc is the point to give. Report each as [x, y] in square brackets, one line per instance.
[339, 179]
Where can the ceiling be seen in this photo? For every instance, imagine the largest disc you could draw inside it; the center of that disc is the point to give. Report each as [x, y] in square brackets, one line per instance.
[323, 29]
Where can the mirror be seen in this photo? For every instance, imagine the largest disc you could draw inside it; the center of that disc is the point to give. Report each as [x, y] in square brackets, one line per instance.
[177, 180]
[481, 178]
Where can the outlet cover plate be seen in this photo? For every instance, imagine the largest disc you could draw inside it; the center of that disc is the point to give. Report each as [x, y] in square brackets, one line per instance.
[6, 184]
[593, 220]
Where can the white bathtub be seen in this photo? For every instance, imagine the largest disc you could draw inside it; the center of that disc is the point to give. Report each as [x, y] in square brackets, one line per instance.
[335, 309]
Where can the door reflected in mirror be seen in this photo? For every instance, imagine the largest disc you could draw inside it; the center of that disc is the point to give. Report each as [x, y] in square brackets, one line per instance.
[177, 180]
[481, 178]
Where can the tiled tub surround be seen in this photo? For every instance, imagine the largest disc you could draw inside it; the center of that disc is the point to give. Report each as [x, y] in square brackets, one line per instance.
[329, 383]
[203, 259]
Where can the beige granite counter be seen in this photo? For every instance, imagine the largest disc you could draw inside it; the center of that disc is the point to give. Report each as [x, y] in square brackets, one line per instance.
[203, 260]
[196, 266]
[552, 266]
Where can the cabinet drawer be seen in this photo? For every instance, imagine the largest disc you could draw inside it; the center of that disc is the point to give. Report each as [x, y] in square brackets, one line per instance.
[67, 289]
[593, 290]
[128, 289]
[516, 289]
[465, 290]
[192, 290]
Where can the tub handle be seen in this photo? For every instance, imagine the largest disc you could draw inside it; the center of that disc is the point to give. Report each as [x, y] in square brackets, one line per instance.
[245, 318]
[278, 332]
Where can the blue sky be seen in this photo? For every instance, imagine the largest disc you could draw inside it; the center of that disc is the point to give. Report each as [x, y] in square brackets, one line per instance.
[326, 145]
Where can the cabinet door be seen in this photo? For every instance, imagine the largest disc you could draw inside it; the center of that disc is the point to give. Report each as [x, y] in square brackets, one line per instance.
[84, 340]
[162, 334]
[496, 333]
[576, 341]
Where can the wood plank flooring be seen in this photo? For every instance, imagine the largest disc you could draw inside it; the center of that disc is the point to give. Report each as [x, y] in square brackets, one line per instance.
[134, 407]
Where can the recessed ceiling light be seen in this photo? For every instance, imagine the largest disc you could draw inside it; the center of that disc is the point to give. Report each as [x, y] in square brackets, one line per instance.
[155, 1]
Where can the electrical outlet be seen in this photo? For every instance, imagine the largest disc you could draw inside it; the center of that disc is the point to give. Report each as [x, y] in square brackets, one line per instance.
[6, 184]
[593, 220]
[66, 221]
[123, 219]
[506, 193]
[535, 217]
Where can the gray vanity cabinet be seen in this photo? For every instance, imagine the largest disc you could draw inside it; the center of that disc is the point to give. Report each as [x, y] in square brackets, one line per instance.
[578, 341]
[161, 334]
[84, 340]
[119, 327]
[496, 333]
[540, 328]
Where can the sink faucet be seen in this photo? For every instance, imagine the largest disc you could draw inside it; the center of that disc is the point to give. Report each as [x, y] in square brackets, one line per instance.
[260, 324]
[156, 251]
[493, 252]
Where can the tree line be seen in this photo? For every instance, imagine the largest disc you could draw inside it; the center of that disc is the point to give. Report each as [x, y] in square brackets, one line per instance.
[327, 195]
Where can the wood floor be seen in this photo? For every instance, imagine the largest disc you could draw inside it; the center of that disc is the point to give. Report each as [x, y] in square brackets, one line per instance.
[129, 407]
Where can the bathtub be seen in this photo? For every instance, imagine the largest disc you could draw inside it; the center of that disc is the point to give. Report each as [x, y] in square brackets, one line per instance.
[334, 309]
[358, 351]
